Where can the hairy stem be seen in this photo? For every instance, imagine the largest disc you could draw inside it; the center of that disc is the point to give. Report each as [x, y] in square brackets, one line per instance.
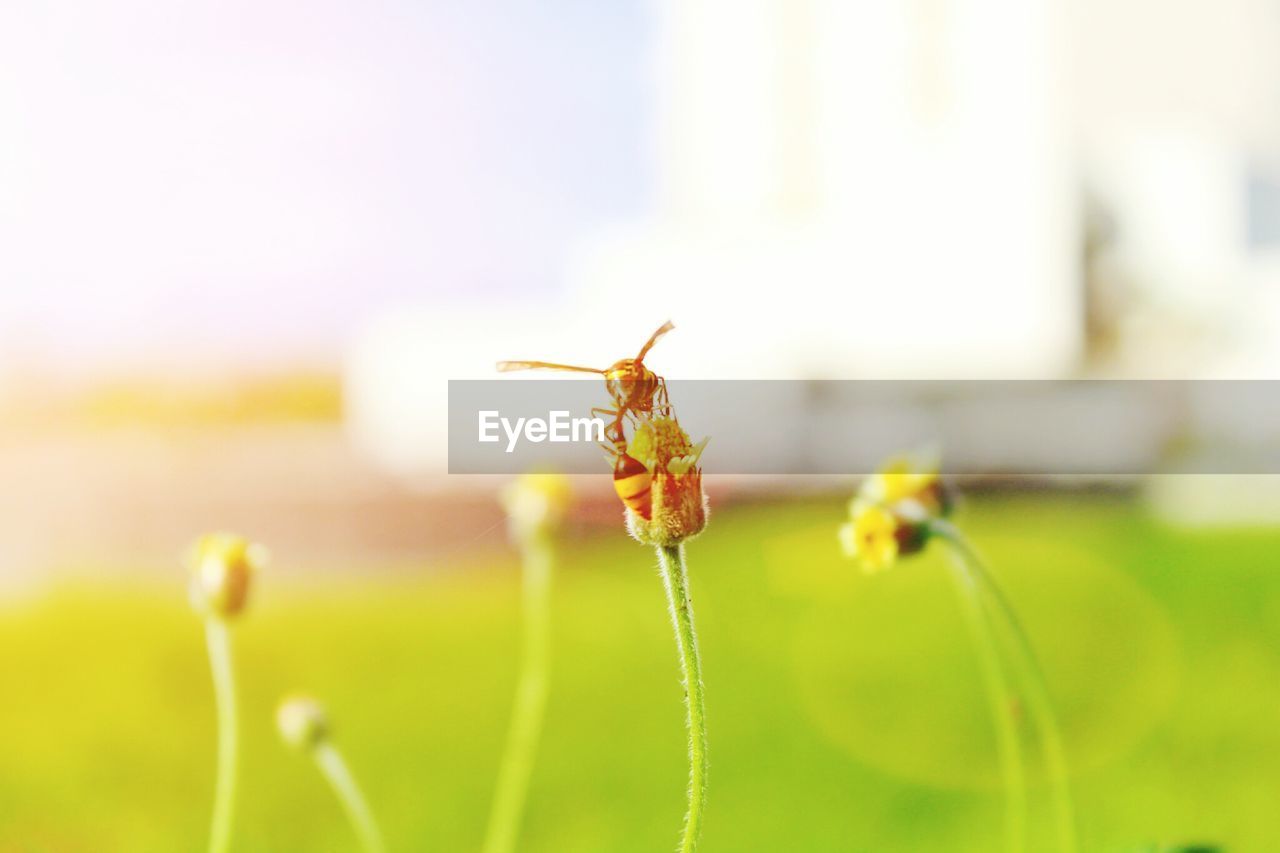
[675, 578]
[999, 697]
[335, 770]
[218, 638]
[1039, 699]
[530, 701]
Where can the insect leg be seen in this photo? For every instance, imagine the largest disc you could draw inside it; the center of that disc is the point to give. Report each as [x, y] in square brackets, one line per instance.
[664, 403]
[613, 432]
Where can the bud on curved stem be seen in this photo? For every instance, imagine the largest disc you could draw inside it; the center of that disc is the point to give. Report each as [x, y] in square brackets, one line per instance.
[895, 513]
[302, 722]
[304, 725]
[222, 566]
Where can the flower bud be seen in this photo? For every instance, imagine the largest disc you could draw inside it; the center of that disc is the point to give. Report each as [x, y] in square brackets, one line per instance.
[876, 536]
[222, 568]
[890, 514]
[302, 722]
[677, 506]
[536, 504]
[910, 478]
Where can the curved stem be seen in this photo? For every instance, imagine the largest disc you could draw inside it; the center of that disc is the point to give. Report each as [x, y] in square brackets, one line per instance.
[218, 639]
[675, 578]
[1000, 698]
[334, 769]
[530, 702]
[1038, 697]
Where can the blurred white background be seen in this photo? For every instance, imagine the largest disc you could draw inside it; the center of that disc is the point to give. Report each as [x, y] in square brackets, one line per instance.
[379, 196]
[802, 184]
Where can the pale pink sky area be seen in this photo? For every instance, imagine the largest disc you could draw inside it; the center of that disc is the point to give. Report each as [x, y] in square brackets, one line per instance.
[248, 181]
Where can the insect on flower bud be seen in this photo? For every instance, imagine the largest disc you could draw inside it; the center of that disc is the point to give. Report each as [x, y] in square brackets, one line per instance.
[302, 722]
[676, 506]
[222, 568]
[536, 504]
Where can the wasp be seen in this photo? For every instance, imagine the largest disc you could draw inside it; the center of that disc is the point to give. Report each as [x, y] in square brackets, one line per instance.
[635, 390]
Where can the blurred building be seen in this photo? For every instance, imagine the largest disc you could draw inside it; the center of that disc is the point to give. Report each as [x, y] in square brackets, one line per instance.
[858, 190]
[1179, 141]
[936, 188]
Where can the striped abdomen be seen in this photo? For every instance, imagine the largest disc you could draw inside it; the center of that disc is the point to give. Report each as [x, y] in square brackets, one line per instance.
[634, 484]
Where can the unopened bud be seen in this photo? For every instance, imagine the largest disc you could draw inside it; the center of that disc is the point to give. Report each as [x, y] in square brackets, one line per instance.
[302, 722]
[536, 504]
[677, 507]
[876, 536]
[222, 568]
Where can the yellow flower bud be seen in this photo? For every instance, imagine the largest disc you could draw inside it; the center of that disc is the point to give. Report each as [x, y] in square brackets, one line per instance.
[302, 721]
[536, 504]
[677, 507]
[877, 535]
[870, 536]
[909, 478]
[222, 567]
[890, 514]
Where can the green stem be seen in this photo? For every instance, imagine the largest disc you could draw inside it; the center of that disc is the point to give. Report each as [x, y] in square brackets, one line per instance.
[675, 577]
[218, 638]
[1000, 698]
[334, 769]
[530, 701]
[1039, 699]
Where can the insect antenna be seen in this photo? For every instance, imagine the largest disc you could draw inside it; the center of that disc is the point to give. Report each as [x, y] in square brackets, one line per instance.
[666, 327]
[508, 366]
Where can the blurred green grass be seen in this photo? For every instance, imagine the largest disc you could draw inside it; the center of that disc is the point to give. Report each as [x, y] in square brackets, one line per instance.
[844, 711]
